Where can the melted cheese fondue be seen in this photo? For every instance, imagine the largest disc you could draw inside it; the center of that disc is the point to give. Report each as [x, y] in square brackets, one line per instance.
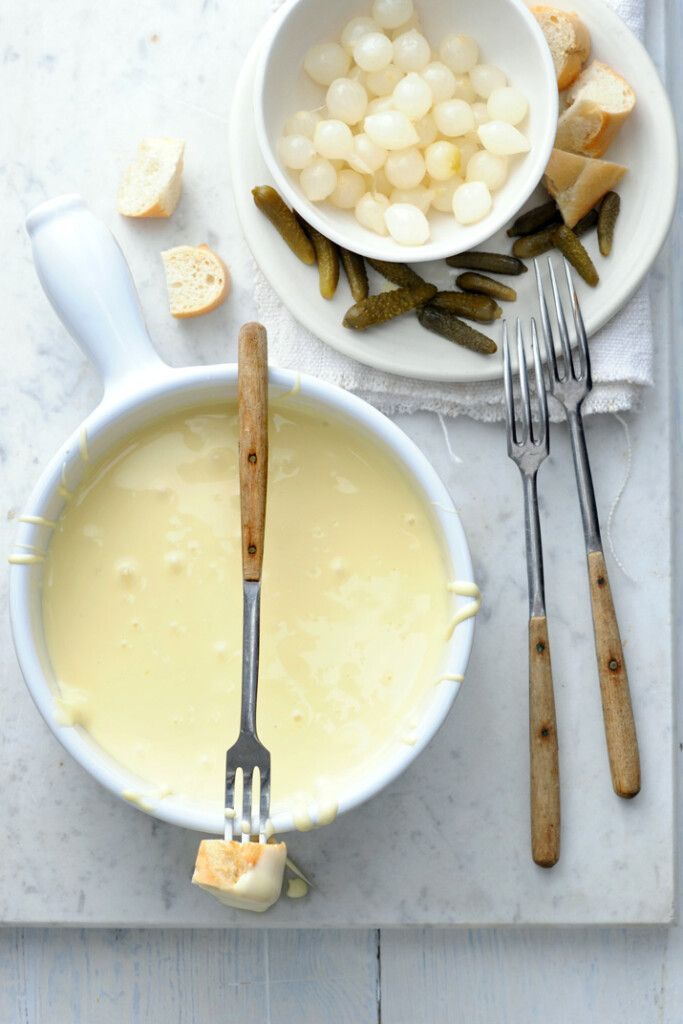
[142, 605]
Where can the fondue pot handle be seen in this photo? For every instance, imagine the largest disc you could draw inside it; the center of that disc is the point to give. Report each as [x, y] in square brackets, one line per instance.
[87, 280]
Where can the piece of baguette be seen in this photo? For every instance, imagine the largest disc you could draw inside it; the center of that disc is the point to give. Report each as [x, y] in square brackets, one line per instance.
[198, 280]
[599, 101]
[576, 183]
[247, 876]
[568, 39]
[151, 186]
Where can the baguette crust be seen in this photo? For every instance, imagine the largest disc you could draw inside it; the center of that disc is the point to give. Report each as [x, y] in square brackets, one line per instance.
[569, 41]
[600, 100]
[577, 183]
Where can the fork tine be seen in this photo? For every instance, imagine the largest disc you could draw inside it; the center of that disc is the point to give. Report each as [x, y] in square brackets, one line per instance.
[585, 363]
[523, 384]
[553, 374]
[539, 379]
[264, 803]
[562, 325]
[507, 383]
[248, 777]
[230, 773]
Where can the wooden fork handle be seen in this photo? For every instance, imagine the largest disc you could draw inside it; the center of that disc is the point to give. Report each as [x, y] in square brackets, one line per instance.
[620, 729]
[545, 769]
[252, 389]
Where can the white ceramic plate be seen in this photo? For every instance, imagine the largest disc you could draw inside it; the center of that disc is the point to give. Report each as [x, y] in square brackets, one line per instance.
[647, 145]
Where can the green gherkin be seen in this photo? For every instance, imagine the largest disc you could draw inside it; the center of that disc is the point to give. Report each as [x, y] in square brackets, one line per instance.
[354, 268]
[492, 262]
[327, 257]
[570, 247]
[377, 309]
[588, 221]
[440, 321]
[607, 217]
[471, 282]
[534, 245]
[468, 304]
[533, 220]
[397, 273]
[279, 214]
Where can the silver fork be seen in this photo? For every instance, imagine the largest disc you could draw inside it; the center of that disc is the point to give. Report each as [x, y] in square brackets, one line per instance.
[528, 448]
[570, 388]
[248, 753]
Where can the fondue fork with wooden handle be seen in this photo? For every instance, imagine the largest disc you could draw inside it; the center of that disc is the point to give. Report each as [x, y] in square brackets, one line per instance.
[528, 447]
[570, 386]
[248, 753]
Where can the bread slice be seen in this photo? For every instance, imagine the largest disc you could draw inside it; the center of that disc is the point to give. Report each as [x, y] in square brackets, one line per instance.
[599, 102]
[151, 186]
[247, 876]
[569, 41]
[576, 183]
[198, 280]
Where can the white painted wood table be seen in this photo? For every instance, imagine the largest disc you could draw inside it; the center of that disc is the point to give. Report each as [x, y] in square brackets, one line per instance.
[499, 975]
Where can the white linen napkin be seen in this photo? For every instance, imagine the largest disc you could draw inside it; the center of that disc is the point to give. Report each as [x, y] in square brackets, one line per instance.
[621, 352]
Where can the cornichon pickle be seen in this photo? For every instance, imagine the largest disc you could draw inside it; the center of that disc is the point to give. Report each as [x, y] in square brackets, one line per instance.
[533, 220]
[440, 321]
[327, 257]
[397, 273]
[534, 245]
[354, 267]
[470, 282]
[279, 214]
[493, 262]
[607, 216]
[588, 221]
[377, 309]
[468, 304]
[570, 247]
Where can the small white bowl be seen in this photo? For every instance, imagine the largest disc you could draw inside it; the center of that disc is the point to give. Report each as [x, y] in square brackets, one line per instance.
[508, 36]
[85, 277]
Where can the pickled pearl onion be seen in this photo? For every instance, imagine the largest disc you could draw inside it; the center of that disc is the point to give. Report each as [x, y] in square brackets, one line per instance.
[407, 224]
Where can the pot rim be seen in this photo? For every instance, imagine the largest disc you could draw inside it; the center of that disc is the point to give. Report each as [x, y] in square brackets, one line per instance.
[122, 410]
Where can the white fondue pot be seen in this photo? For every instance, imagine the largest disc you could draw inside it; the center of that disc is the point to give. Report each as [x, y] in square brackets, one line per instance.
[87, 280]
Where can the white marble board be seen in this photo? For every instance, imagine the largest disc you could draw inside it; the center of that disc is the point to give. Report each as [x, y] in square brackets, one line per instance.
[448, 842]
